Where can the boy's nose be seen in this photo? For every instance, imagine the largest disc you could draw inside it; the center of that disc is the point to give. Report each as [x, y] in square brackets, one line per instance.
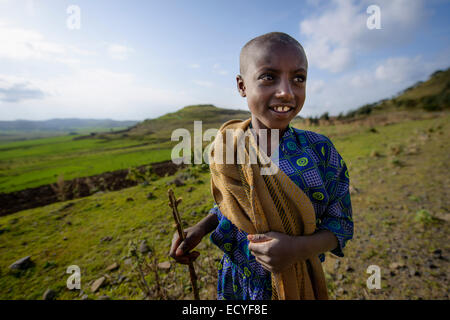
[284, 90]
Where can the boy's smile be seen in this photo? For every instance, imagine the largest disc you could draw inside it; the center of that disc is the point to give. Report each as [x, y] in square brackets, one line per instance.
[274, 83]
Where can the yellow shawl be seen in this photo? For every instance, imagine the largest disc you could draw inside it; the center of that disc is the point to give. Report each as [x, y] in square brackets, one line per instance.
[258, 203]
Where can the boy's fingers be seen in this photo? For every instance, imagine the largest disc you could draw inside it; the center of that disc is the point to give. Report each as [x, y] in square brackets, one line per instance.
[188, 258]
[264, 264]
[178, 246]
[181, 249]
[257, 248]
[193, 255]
[258, 238]
[183, 260]
[175, 245]
[184, 247]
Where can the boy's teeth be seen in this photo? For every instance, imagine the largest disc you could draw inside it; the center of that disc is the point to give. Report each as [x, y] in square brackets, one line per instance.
[282, 109]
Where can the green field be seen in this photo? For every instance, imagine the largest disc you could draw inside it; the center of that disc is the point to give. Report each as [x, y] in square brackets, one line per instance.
[27, 164]
[398, 174]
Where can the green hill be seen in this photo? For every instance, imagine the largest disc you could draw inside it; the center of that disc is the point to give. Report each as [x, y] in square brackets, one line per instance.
[160, 129]
[437, 88]
[430, 95]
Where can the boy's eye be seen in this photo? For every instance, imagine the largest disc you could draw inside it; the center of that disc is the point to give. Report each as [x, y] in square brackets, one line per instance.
[267, 77]
[300, 78]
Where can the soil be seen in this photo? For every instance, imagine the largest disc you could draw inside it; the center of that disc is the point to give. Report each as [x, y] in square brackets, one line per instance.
[78, 188]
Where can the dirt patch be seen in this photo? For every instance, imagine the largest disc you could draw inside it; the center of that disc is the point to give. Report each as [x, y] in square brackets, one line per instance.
[79, 187]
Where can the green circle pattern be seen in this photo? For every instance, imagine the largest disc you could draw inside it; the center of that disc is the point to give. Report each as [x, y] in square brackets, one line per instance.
[329, 175]
[291, 145]
[318, 195]
[225, 225]
[335, 225]
[302, 162]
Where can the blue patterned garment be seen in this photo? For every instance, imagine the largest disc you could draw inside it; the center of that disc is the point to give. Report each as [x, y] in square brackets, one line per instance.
[312, 162]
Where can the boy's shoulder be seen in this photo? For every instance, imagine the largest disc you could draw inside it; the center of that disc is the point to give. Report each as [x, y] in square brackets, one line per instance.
[313, 137]
[321, 146]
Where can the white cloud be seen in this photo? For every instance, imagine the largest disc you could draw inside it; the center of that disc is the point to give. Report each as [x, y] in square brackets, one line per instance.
[194, 66]
[30, 7]
[27, 44]
[18, 43]
[324, 56]
[203, 83]
[361, 80]
[219, 70]
[400, 69]
[13, 89]
[93, 93]
[119, 52]
[336, 36]
[316, 86]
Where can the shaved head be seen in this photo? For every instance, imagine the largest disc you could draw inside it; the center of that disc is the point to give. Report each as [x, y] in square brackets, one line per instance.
[268, 39]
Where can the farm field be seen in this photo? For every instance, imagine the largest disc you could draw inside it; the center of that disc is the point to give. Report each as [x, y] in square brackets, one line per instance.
[27, 164]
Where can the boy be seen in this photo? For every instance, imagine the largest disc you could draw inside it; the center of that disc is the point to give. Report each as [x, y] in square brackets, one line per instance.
[258, 262]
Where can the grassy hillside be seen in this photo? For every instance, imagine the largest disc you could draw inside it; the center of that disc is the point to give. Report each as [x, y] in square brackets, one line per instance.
[160, 129]
[401, 214]
[430, 95]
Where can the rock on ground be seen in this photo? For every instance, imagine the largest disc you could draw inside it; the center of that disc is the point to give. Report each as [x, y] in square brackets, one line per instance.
[97, 284]
[112, 267]
[164, 265]
[49, 294]
[22, 264]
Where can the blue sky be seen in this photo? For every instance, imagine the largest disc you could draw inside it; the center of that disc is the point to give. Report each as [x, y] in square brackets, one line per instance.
[133, 60]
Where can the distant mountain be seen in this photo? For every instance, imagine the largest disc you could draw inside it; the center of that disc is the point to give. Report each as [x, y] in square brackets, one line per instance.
[62, 125]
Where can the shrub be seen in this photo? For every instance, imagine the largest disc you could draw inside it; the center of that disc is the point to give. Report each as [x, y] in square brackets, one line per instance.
[424, 216]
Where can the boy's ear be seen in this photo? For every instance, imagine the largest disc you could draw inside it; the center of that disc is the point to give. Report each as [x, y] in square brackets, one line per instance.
[240, 85]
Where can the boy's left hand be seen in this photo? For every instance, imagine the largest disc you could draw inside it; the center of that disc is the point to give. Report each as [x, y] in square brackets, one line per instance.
[276, 251]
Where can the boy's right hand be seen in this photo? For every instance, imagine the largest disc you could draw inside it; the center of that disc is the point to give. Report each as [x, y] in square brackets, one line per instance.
[180, 250]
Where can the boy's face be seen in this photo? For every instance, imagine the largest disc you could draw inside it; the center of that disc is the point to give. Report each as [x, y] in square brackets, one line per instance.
[274, 83]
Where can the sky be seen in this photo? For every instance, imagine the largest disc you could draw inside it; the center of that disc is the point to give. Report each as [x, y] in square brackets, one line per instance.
[135, 60]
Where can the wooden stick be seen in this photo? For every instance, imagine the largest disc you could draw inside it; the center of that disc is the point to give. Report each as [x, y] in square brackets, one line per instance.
[173, 203]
